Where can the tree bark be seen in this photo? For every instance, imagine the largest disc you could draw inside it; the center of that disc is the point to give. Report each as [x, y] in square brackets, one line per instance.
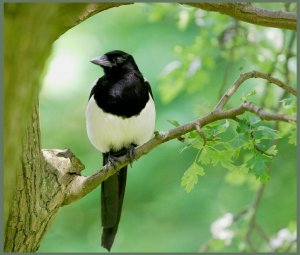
[37, 182]
[30, 213]
[248, 13]
[41, 189]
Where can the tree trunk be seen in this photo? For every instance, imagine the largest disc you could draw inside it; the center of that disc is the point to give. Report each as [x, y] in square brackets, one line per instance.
[42, 186]
[29, 32]
[30, 213]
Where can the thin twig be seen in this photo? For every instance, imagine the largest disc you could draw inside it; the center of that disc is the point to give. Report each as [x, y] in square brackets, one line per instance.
[252, 222]
[262, 233]
[288, 57]
[245, 76]
[251, 107]
[272, 70]
[201, 134]
[231, 55]
[290, 246]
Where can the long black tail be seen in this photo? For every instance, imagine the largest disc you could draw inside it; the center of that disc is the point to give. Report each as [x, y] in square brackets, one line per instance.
[112, 195]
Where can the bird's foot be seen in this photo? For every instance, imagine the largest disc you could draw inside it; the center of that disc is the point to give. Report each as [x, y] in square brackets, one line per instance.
[131, 153]
[113, 160]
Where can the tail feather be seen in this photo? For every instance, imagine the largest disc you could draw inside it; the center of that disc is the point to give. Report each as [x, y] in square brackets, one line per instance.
[112, 195]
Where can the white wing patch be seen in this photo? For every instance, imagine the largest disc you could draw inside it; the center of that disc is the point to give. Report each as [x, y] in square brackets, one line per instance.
[110, 132]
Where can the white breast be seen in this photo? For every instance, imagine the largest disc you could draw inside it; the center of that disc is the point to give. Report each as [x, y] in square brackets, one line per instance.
[110, 132]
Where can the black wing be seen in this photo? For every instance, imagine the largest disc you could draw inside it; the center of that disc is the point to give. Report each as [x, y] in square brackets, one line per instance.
[94, 87]
[149, 88]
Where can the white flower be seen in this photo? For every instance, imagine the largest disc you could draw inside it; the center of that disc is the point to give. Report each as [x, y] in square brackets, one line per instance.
[199, 18]
[283, 235]
[219, 228]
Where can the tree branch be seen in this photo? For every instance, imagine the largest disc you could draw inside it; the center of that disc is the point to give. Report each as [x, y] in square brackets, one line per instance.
[252, 222]
[240, 11]
[248, 13]
[245, 76]
[82, 185]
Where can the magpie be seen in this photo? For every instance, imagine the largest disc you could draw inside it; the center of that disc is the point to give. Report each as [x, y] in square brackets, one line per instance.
[120, 115]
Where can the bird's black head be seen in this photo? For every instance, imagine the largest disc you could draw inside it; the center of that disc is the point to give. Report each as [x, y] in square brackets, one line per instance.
[114, 60]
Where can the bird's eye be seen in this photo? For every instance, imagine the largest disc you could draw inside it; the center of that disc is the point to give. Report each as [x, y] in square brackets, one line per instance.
[120, 60]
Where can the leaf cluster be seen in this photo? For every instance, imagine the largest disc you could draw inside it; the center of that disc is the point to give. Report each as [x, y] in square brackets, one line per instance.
[243, 145]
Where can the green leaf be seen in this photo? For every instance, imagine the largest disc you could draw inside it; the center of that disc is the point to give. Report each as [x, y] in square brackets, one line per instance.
[264, 132]
[197, 144]
[190, 177]
[193, 134]
[239, 140]
[254, 119]
[272, 150]
[257, 165]
[289, 105]
[234, 152]
[243, 126]
[208, 156]
[224, 157]
[189, 145]
[174, 123]
[264, 178]
[217, 127]
[290, 131]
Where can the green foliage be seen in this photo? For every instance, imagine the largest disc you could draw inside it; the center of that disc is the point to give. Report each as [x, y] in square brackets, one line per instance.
[245, 147]
[272, 150]
[289, 105]
[257, 164]
[293, 136]
[264, 132]
[190, 177]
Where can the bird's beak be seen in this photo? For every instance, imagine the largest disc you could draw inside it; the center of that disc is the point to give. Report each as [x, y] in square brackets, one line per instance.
[101, 61]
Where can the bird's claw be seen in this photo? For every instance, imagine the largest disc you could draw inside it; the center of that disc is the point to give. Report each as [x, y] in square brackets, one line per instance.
[131, 154]
[113, 160]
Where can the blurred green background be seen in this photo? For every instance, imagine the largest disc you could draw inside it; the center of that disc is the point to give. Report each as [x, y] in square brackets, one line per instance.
[184, 53]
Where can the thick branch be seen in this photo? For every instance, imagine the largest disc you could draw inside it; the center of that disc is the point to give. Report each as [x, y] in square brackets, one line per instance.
[253, 74]
[248, 13]
[240, 11]
[83, 185]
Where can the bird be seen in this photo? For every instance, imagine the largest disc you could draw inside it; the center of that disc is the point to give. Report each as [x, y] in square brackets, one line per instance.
[120, 115]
